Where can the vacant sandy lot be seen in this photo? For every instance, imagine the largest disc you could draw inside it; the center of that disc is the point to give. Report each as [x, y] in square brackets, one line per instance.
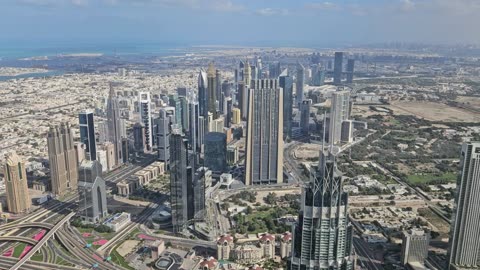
[434, 111]
[127, 247]
[308, 151]
[472, 101]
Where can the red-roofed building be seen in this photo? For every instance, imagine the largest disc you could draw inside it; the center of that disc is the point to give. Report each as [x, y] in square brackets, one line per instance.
[224, 246]
[267, 243]
[209, 264]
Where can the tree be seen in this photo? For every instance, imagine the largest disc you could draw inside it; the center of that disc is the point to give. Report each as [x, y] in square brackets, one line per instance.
[271, 198]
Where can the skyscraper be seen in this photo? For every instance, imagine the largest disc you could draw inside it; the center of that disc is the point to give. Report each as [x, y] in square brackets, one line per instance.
[62, 159]
[236, 118]
[175, 102]
[202, 130]
[305, 116]
[415, 246]
[87, 133]
[182, 197]
[92, 192]
[464, 241]
[318, 76]
[247, 74]
[274, 70]
[216, 151]
[228, 112]
[212, 90]
[114, 125]
[194, 123]
[286, 83]
[16, 186]
[338, 68]
[322, 236]
[202, 93]
[350, 70]
[218, 91]
[339, 112]
[243, 99]
[264, 149]
[146, 118]
[139, 137]
[164, 121]
[300, 83]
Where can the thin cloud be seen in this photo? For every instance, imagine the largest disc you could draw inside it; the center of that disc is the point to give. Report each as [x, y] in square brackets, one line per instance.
[407, 5]
[80, 3]
[322, 6]
[272, 12]
[52, 3]
[215, 5]
[40, 3]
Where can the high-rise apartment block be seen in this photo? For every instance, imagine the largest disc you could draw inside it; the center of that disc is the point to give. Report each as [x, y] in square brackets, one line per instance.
[464, 241]
[146, 119]
[339, 112]
[16, 186]
[236, 117]
[62, 159]
[264, 149]
[415, 246]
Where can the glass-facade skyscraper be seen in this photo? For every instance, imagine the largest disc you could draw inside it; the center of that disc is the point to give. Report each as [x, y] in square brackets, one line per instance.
[464, 242]
[216, 151]
[87, 133]
[337, 68]
[286, 83]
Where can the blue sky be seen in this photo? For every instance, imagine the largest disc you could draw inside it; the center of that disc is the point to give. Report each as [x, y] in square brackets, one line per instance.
[239, 22]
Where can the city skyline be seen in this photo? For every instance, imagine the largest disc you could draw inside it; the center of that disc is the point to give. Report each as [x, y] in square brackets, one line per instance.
[239, 157]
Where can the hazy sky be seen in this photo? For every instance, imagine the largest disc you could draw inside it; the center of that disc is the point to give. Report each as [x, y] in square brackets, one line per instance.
[242, 22]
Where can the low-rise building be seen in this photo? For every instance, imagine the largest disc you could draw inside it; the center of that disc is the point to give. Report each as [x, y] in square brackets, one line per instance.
[247, 251]
[286, 245]
[224, 247]
[118, 221]
[126, 187]
[209, 264]
[156, 247]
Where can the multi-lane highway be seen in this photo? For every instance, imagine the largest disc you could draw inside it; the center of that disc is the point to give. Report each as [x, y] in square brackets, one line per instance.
[365, 257]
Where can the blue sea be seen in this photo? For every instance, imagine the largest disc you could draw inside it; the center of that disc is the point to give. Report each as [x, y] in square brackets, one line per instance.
[33, 75]
[25, 50]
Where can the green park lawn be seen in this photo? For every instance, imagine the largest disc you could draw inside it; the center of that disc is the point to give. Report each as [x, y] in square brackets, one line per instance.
[428, 178]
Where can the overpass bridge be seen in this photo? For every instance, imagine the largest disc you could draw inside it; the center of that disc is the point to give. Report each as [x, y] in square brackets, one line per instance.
[22, 239]
[40, 225]
[35, 248]
[9, 262]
